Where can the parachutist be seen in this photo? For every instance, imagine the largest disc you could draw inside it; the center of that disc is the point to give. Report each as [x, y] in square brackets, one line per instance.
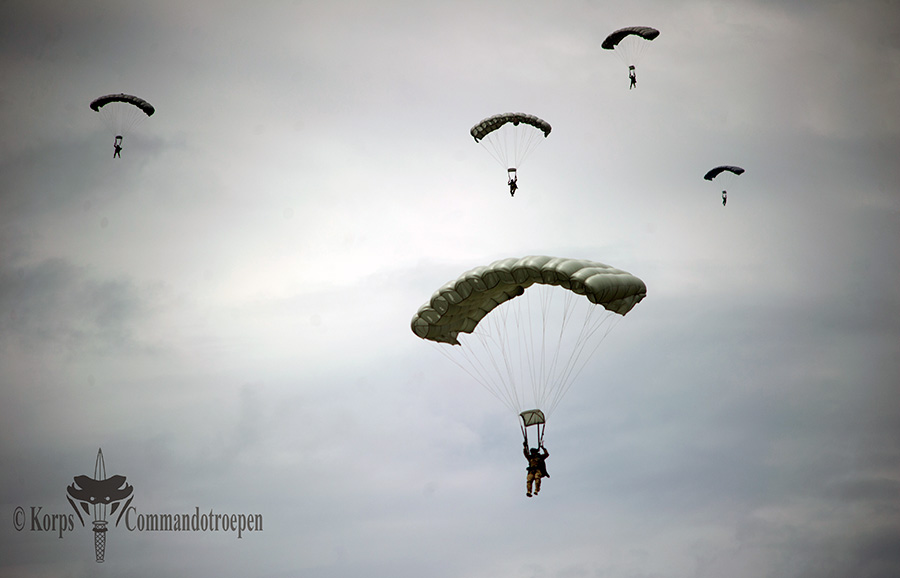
[730, 170]
[628, 44]
[511, 136]
[537, 467]
[121, 112]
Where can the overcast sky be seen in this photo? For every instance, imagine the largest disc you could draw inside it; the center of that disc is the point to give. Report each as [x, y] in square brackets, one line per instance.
[225, 310]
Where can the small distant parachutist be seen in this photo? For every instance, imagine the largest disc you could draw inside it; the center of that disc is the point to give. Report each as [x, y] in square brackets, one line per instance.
[121, 112]
[509, 138]
[628, 44]
[729, 170]
[513, 182]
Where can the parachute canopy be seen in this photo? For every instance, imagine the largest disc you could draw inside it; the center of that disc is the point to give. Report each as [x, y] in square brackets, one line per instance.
[459, 305]
[713, 173]
[140, 103]
[527, 326]
[616, 37]
[492, 123]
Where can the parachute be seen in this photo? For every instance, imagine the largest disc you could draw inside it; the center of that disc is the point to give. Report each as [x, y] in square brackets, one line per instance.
[618, 36]
[629, 44]
[510, 137]
[713, 173]
[492, 123]
[140, 103]
[122, 112]
[527, 326]
[726, 175]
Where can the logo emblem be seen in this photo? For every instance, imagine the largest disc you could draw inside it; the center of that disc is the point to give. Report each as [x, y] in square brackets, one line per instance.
[99, 497]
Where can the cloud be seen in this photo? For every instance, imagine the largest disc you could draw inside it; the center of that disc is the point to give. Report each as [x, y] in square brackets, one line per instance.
[55, 306]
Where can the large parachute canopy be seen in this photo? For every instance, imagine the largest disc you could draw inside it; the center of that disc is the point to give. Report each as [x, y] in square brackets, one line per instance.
[122, 112]
[510, 137]
[492, 123]
[630, 43]
[525, 327]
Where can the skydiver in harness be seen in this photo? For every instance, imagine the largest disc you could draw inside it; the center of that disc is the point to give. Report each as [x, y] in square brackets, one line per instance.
[724, 197]
[537, 468]
[117, 147]
[632, 77]
[512, 182]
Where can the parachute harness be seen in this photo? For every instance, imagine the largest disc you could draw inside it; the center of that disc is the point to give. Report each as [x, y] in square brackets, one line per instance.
[540, 427]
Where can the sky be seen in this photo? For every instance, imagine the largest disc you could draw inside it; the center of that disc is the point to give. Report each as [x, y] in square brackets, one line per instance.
[225, 309]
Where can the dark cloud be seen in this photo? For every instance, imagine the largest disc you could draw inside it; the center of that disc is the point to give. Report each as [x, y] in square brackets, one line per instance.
[870, 489]
[106, 33]
[857, 550]
[57, 306]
